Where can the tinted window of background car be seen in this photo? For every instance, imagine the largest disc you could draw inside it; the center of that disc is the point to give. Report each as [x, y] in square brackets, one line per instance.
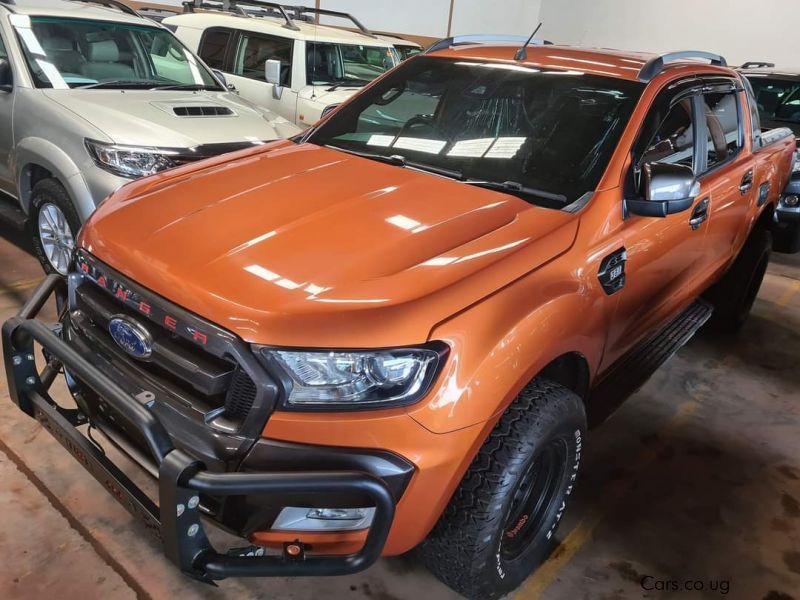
[777, 99]
[213, 46]
[255, 50]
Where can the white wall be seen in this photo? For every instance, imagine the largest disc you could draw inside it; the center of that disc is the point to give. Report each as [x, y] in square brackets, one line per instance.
[430, 17]
[514, 17]
[418, 17]
[740, 30]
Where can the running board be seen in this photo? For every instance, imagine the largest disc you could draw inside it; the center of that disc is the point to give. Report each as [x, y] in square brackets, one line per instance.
[633, 370]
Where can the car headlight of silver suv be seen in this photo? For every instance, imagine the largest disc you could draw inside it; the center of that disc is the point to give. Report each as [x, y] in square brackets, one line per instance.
[131, 161]
[356, 379]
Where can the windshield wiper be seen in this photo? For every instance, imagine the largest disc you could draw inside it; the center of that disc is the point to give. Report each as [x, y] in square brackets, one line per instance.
[515, 187]
[115, 82]
[184, 86]
[401, 161]
[347, 82]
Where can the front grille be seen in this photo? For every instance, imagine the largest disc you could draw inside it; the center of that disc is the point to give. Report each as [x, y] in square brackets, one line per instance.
[190, 363]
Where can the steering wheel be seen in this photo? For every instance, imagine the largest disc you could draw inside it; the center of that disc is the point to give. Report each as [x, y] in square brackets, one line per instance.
[422, 121]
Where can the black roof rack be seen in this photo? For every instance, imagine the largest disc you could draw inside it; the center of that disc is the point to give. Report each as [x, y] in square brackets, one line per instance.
[655, 65]
[288, 13]
[483, 39]
[112, 4]
[757, 64]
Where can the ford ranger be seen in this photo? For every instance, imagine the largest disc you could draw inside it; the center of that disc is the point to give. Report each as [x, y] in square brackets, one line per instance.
[391, 332]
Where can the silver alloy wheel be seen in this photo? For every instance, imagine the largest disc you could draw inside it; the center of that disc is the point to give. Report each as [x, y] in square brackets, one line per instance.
[56, 236]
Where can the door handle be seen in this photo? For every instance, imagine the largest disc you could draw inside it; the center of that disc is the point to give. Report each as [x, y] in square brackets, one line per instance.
[747, 182]
[699, 214]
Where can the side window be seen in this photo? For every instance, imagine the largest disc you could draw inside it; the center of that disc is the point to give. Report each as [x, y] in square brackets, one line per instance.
[3, 52]
[213, 45]
[722, 126]
[255, 50]
[673, 141]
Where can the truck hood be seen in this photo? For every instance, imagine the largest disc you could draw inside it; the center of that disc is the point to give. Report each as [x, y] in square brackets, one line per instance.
[150, 118]
[297, 245]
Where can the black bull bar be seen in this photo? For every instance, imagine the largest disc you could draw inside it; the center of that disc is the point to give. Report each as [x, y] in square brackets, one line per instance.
[181, 478]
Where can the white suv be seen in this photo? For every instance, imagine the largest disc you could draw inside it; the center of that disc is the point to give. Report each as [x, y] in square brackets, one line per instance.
[278, 57]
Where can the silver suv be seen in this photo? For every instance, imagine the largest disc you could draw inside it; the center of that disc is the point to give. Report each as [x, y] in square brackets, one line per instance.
[92, 96]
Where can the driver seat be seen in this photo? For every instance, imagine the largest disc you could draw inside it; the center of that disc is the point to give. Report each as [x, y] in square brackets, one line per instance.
[103, 62]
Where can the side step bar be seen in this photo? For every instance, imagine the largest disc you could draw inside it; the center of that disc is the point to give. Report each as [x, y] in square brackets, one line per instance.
[633, 370]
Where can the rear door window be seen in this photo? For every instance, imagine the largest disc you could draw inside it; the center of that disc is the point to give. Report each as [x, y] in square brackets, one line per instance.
[255, 50]
[723, 127]
[213, 47]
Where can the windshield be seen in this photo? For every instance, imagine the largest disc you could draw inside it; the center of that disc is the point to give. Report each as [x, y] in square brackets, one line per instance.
[346, 63]
[525, 128]
[72, 53]
[777, 99]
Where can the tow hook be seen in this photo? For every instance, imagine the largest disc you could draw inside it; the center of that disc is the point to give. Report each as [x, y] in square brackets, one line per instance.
[294, 550]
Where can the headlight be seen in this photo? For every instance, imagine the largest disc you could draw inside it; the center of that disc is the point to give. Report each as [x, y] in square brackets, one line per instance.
[345, 379]
[131, 161]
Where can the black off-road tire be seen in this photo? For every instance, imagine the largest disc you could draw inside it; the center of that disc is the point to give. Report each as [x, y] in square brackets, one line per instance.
[50, 191]
[733, 295]
[470, 548]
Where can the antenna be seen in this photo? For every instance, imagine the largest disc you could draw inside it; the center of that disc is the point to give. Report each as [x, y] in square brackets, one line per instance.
[522, 53]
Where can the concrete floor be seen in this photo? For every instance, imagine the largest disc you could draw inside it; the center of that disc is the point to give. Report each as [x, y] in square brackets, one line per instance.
[695, 479]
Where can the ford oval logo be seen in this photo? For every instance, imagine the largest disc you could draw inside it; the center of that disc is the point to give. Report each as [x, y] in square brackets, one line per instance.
[131, 337]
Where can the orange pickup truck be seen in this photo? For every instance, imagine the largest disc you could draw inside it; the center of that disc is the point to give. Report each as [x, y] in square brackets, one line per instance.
[392, 331]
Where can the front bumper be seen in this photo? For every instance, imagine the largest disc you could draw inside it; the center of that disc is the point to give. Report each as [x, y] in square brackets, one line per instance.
[181, 478]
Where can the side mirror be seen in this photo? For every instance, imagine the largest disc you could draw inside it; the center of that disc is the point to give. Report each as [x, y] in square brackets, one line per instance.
[220, 77]
[223, 80]
[272, 73]
[6, 81]
[668, 189]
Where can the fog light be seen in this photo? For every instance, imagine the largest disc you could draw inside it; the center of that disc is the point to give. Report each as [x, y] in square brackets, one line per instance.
[791, 201]
[297, 518]
[337, 514]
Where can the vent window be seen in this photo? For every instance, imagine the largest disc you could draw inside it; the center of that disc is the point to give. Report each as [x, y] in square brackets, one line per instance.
[202, 111]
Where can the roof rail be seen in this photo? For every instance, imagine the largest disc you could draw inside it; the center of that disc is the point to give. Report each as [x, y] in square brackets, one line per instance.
[655, 65]
[757, 64]
[112, 4]
[483, 39]
[271, 9]
[290, 14]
